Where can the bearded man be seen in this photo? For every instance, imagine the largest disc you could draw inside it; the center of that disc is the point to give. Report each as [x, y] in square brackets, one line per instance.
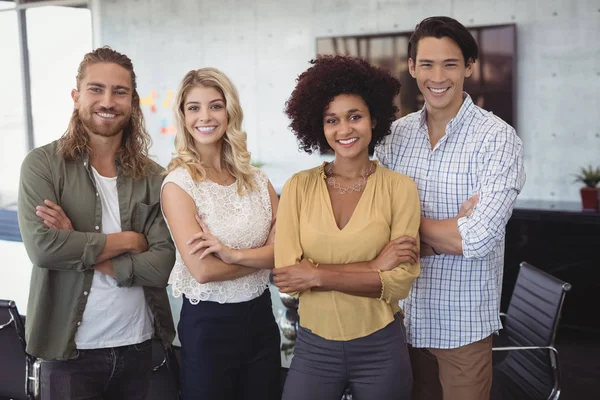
[89, 213]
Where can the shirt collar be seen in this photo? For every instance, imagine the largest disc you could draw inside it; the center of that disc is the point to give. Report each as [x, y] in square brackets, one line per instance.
[456, 123]
[85, 158]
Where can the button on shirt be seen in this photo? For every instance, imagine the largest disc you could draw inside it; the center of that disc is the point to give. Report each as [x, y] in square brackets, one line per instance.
[456, 299]
[64, 260]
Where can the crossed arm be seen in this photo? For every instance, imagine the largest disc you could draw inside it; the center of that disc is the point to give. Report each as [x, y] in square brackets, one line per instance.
[442, 236]
[48, 235]
[52, 242]
[482, 219]
[130, 257]
[54, 217]
[388, 277]
[207, 259]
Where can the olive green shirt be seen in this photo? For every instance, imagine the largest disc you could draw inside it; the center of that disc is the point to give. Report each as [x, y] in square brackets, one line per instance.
[63, 260]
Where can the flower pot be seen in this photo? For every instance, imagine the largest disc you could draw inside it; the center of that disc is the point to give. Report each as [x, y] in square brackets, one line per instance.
[589, 198]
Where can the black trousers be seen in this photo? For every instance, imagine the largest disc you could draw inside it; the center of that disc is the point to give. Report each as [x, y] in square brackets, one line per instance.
[113, 373]
[230, 351]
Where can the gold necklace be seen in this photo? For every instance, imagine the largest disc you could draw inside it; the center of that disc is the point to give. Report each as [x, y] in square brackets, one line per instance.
[357, 187]
[217, 181]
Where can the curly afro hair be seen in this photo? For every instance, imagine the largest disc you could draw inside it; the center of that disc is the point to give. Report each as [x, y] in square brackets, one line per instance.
[330, 76]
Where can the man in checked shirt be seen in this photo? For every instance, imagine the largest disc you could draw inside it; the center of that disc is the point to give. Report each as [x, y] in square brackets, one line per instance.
[468, 166]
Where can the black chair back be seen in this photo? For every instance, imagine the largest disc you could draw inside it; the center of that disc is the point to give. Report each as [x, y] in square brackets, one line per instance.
[532, 320]
[15, 361]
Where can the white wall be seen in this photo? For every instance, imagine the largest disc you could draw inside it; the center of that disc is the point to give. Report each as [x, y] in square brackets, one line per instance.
[263, 45]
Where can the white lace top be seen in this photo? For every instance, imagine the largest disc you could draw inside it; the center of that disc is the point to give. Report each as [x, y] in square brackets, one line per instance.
[240, 222]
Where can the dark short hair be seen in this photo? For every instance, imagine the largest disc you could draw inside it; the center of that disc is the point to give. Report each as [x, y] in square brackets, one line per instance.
[440, 27]
[330, 76]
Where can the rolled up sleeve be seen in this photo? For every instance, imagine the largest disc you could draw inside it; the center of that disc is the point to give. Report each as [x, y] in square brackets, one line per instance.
[153, 267]
[503, 177]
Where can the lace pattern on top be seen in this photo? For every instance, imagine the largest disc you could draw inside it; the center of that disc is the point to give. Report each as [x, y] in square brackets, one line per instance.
[239, 222]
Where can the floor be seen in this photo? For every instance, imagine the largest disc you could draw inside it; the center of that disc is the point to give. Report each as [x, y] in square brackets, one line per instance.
[580, 364]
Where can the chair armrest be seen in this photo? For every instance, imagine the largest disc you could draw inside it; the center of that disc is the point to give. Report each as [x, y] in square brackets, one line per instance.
[513, 348]
[10, 321]
[554, 363]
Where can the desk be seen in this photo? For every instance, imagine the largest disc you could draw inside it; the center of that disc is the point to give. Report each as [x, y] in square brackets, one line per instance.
[563, 240]
[9, 227]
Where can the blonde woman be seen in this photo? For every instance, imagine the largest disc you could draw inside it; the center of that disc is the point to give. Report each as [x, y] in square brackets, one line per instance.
[221, 213]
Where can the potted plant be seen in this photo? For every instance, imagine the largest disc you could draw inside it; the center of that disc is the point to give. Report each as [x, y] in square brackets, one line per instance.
[589, 193]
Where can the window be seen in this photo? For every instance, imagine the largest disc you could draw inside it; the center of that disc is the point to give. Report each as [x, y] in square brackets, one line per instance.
[13, 135]
[58, 37]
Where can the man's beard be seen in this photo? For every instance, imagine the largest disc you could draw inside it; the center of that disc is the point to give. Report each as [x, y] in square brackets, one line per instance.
[105, 130]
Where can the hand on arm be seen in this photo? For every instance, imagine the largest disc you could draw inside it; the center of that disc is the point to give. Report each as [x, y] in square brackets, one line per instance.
[397, 264]
[55, 249]
[106, 267]
[205, 243]
[54, 217]
[305, 275]
[501, 176]
[442, 236]
[122, 243]
[400, 250]
[294, 274]
[180, 211]
[359, 279]
[406, 217]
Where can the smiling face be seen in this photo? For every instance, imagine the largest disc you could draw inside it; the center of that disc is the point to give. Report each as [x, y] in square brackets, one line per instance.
[104, 99]
[205, 115]
[440, 72]
[347, 125]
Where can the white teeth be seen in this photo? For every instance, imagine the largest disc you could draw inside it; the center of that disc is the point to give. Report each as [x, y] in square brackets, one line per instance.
[206, 128]
[105, 115]
[347, 141]
[438, 91]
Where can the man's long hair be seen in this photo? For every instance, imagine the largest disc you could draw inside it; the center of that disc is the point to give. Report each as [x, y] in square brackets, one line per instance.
[133, 153]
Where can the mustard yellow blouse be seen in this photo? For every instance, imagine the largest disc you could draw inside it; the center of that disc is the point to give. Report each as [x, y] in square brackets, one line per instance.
[306, 228]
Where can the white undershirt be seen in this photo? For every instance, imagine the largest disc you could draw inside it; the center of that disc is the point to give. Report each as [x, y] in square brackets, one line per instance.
[114, 316]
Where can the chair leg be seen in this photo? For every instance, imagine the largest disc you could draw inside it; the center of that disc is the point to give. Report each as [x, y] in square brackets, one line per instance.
[33, 378]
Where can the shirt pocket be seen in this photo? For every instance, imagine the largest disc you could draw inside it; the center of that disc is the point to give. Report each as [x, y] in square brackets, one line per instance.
[143, 217]
[457, 181]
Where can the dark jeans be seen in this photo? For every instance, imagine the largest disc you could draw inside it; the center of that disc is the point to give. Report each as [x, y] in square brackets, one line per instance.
[230, 351]
[110, 374]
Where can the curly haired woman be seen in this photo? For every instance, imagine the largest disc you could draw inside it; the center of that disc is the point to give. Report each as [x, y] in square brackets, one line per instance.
[220, 211]
[346, 238]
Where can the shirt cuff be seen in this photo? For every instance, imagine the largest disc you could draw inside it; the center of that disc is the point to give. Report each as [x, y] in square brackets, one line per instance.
[123, 268]
[463, 229]
[94, 245]
[381, 297]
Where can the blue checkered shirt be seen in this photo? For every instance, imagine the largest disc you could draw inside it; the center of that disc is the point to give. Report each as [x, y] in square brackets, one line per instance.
[456, 299]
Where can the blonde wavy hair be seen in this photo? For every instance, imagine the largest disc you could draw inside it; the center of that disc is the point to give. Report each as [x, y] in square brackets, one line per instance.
[235, 154]
[133, 153]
